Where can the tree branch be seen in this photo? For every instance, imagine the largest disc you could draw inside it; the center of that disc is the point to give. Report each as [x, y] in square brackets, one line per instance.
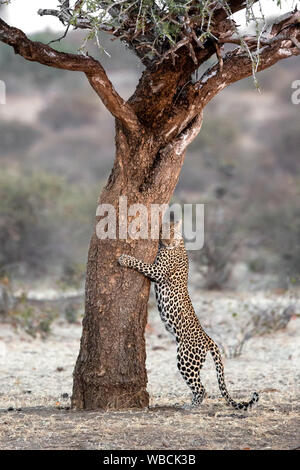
[46, 55]
[65, 16]
[186, 136]
[141, 40]
[172, 155]
[162, 85]
[236, 65]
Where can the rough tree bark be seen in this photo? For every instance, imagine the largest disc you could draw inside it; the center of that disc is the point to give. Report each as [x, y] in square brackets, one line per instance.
[110, 370]
[153, 130]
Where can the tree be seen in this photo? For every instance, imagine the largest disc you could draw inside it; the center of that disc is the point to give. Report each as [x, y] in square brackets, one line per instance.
[153, 129]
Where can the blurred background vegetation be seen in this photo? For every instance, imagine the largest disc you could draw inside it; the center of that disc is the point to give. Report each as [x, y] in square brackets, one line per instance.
[56, 151]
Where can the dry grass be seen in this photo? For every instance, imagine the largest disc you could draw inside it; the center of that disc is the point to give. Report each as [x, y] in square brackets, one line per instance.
[213, 426]
[36, 373]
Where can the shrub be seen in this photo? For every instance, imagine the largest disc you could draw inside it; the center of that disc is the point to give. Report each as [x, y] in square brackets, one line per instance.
[69, 112]
[279, 230]
[261, 320]
[72, 313]
[284, 140]
[43, 221]
[16, 136]
[33, 320]
[78, 157]
[6, 298]
[215, 260]
[72, 275]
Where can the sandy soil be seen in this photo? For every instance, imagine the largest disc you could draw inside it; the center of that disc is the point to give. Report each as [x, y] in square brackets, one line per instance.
[36, 383]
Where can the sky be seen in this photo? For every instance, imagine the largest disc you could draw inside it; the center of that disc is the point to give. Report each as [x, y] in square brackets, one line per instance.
[23, 14]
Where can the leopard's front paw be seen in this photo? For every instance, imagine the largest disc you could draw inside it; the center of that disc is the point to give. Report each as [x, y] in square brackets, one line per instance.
[125, 260]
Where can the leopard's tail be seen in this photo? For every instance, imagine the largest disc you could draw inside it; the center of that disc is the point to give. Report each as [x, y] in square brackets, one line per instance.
[215, 352]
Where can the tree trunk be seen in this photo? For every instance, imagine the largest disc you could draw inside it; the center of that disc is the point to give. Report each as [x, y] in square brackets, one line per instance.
[162, 117]
[110, 371]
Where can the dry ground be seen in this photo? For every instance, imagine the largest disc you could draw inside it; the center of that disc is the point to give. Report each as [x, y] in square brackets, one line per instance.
[211, 427]
[36, 383]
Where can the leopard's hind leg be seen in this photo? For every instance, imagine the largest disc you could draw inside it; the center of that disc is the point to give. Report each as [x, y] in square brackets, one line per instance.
[189, 363]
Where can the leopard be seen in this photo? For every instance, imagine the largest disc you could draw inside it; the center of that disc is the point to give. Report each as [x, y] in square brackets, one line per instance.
[169, 273]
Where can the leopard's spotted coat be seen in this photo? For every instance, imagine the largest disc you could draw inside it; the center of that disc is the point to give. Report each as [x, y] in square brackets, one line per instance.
[170, 275]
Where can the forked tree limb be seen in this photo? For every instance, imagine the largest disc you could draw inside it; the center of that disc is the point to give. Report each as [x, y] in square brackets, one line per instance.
[161, 86]
[172, 155]
[186, 136]
[46, 55]
[236, 65]
[149, 105]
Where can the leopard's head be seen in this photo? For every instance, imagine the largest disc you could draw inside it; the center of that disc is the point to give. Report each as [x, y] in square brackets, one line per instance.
[170, 235]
